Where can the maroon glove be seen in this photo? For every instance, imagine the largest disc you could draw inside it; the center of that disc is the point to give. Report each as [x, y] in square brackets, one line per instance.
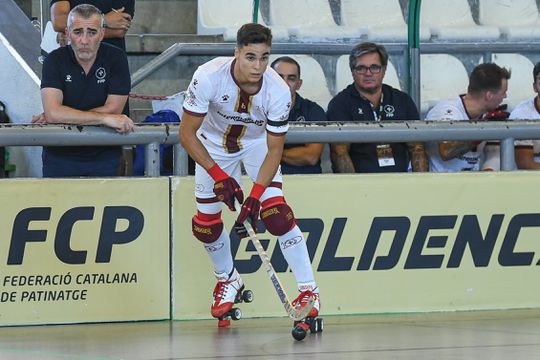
[251, 207]
[225, 187]
[498, 114]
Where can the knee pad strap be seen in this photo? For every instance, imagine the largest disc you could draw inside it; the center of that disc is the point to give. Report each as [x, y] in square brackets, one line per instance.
[207, 228]
[277, 216]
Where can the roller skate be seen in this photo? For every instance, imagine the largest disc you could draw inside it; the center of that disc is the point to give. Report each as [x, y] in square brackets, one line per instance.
[228, 291]
[311, 322]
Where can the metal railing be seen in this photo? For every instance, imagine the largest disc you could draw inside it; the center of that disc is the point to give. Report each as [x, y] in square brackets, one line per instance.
[152, 135]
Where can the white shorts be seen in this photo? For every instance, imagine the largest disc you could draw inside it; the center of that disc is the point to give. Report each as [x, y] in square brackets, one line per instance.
[251, 157]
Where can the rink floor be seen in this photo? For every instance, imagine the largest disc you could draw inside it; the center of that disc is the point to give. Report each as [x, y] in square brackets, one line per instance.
[485, 335]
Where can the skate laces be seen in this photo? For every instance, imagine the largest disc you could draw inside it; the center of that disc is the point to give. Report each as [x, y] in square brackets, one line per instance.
[220, 290]
[303, 298]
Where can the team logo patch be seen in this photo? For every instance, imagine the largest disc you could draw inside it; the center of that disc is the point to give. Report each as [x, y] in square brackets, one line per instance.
[68, 78]
[100, 75]
[291, 242]
[199, 187]
[214, 248]
[224, 98]
[360, 111]
[389, 110]
[301, 118]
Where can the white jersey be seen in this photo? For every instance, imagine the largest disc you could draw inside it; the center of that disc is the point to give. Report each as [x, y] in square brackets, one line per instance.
[233, 117]
[526, 110]
[451, 110]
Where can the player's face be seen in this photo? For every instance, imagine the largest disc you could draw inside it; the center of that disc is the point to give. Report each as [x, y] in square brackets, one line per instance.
[251, 62]
[85, 36]
[536, 85]
[289, 73]
[368, 73]
[498, 96]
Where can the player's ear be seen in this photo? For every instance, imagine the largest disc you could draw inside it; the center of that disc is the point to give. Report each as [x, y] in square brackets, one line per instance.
[236, 52]
[299, 84]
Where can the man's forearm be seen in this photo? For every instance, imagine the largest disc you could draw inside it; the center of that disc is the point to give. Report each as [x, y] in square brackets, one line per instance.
[419, 161]
[452, 149]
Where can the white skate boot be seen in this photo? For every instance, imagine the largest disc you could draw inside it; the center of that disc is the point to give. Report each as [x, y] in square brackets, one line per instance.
[312, 322]
[228, 291]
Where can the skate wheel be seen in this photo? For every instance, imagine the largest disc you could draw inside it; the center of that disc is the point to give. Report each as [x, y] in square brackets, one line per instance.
[321, 324]
[223, 323]
[299, 332]
[313, 325]
[236, 314]
[247, 296]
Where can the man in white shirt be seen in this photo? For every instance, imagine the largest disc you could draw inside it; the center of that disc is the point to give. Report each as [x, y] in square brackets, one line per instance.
[487, 88]
[528, 151]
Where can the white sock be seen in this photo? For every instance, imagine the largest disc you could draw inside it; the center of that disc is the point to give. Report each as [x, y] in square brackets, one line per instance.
[220, 253]
[294, 249]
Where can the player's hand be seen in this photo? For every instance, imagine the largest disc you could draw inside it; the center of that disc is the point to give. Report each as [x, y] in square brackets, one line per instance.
[252, 206]
[250, 210]
[499, 114]
[240, 230]
[120, 122]
[228, 190]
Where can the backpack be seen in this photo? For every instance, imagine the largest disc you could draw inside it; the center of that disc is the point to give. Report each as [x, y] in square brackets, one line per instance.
[165, 150]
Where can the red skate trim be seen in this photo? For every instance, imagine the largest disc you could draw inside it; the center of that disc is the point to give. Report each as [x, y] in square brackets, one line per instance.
[223, 323]
[208, 217]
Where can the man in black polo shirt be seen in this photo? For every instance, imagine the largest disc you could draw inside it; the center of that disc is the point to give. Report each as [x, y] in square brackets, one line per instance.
[368, 99]
[85, 83]
[299, 158]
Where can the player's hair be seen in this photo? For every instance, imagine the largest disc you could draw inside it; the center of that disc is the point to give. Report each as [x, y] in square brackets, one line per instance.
[252, 33]
[85, 11]
[536, 71]
[286, 59]
[368, 48]
[486, 77]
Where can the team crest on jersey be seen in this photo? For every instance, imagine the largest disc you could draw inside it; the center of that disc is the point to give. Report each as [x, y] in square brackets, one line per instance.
[449, 112]
[224, 98]
[360, 111]
[68, 78]
[100, 75]
[389, 111]
[195, 82]
[301, 118]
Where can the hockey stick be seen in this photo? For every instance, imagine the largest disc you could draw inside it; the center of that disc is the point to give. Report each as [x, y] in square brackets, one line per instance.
[291, 311]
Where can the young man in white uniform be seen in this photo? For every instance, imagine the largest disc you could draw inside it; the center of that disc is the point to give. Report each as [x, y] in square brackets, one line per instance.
[487, 88]
[528, 151]
[235, 112]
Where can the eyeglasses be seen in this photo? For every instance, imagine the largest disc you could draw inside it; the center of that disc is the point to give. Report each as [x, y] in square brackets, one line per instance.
[362, 69]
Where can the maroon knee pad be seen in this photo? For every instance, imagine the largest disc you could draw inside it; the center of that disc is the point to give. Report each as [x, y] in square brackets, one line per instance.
[207, 227]
[277, 216]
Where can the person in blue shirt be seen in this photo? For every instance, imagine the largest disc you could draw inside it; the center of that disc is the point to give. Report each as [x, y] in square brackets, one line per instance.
[299, 158]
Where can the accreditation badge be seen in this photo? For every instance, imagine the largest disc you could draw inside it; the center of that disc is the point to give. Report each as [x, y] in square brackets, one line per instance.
[385, 156]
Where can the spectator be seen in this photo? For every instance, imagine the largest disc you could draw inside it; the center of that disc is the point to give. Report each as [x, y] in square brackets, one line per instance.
[118, 17]
[528, 151]
[299, 158]
[85, 83]
[368, 99]
[486, 91]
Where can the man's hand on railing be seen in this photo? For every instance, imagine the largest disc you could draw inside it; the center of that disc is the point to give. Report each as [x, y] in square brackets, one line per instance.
[39, 119]
[120, 122]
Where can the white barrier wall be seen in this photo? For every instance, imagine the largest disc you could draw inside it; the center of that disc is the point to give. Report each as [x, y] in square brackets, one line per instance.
[84, 250]
[91, 250]
[387, 243]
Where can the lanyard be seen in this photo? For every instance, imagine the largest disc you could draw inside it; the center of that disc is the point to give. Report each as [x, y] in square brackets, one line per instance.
[377, 115]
